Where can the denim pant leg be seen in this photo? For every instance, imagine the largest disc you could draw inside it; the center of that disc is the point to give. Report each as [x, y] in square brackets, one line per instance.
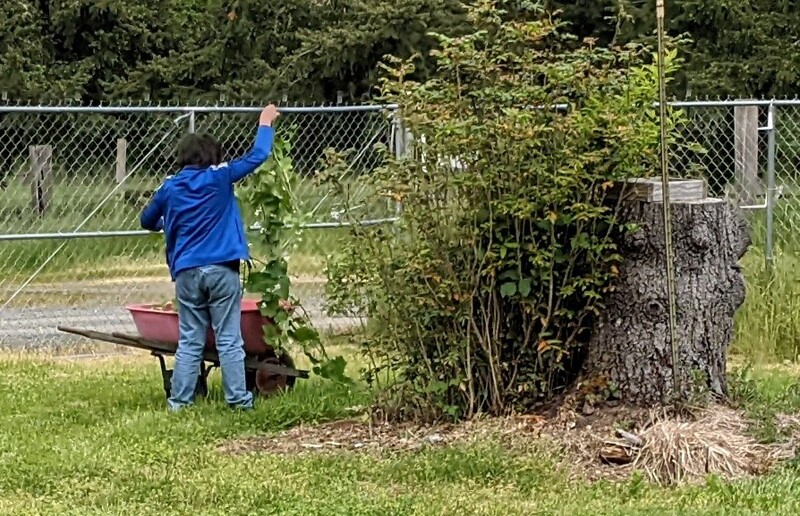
[224, 304]
[194, 320]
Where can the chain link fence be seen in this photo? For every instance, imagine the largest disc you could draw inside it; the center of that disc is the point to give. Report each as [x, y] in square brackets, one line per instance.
[749, 153]
[74, 180]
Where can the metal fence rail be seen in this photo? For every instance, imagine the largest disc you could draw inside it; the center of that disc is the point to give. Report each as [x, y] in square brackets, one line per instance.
[74, 179]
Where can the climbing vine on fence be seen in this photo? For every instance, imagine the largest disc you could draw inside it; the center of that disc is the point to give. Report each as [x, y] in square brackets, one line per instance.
[268, 194]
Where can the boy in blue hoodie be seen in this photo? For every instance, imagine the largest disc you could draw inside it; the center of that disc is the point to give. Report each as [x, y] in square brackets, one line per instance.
[206, 243]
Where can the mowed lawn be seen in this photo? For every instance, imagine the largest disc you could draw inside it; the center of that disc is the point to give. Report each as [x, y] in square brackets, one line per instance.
[93, 437]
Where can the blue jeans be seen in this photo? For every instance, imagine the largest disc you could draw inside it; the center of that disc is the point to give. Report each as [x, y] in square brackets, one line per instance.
[209, 295]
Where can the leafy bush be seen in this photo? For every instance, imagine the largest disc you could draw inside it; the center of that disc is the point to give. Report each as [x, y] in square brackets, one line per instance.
[482, 297]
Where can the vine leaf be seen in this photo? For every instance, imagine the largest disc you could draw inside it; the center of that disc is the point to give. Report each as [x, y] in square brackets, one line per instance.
[333, 369]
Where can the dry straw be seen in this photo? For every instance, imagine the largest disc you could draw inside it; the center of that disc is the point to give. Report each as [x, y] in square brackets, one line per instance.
[715, 442]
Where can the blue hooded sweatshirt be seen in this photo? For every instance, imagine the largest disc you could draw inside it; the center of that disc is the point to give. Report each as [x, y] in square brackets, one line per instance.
[199, 212]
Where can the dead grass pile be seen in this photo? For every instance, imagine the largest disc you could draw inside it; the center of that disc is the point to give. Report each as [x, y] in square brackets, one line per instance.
[677, 450]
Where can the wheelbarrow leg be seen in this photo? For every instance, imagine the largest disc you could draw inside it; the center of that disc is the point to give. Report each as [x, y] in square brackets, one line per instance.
[250, 381]
[166, 374]
[200, 389]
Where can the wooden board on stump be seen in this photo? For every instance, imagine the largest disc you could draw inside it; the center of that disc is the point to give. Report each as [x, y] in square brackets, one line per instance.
[630, 346]
[650, 190]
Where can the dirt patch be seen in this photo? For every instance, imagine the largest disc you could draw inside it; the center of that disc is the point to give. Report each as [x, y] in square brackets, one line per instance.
[362, 436]
[609, 444]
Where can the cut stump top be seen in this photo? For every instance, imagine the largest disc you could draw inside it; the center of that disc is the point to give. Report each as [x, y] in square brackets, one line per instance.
[650, 190]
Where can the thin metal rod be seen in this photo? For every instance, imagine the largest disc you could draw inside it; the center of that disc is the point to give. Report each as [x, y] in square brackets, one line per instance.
[400, 149]
[331, 225]
[193, 109]
[214, 109]
[769, 254]
[140, 233]
[667, 212]
[71, 236]
[730, 103]
[754, 207]
[54, 109]
[372, 222]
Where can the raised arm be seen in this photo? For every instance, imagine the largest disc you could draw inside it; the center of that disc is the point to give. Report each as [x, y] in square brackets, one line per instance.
[239, 168]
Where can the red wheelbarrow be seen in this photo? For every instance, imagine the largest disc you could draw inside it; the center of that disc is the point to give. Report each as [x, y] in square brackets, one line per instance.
[265, 371]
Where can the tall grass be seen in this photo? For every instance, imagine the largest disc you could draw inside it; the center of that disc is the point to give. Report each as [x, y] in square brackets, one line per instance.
[768, 324]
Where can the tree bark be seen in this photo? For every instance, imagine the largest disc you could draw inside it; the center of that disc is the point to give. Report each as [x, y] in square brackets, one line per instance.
[630, 350]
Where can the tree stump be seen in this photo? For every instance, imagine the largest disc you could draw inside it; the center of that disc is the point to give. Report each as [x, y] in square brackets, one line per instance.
[630, 345]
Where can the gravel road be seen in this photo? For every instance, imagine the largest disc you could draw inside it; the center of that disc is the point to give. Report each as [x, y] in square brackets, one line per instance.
[32, 319]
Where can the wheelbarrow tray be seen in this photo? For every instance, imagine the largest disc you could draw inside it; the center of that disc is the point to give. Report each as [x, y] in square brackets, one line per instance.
[253, 363]
[155, 323]
[168, 349]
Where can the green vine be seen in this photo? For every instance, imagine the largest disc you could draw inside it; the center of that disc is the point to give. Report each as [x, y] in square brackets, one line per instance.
[268, 195]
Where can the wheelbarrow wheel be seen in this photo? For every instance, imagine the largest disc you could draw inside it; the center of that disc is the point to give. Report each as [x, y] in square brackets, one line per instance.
[263, 383]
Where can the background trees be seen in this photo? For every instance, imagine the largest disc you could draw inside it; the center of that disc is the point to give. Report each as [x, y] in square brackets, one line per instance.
[314, 51]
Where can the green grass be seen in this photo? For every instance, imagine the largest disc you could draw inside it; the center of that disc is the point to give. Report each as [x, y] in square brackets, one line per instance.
[768, 324]
[72, 204]
[764, 392]
[94, 438]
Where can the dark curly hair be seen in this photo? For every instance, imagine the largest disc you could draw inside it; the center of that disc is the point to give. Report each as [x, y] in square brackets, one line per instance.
[198, 150]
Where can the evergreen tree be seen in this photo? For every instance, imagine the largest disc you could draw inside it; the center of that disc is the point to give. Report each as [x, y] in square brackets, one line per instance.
[187, 50]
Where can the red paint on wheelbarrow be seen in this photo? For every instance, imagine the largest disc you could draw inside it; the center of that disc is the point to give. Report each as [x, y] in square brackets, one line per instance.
[155, 323]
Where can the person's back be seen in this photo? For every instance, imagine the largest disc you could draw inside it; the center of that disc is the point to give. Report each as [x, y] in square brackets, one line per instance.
[205, 243]
[202, 221]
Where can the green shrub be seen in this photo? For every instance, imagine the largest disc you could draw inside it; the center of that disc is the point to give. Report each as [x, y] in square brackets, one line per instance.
[482, 297]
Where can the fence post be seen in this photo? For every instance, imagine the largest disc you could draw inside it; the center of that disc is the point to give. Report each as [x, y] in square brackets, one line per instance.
[769, 253]
[398, 130]
[121, 171]
[191, 122]
[400, 148]
[41, 158]
[746, 182]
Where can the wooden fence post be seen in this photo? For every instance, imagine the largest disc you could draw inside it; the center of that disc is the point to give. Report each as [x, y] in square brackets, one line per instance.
[41, 158]
[746, 181]
[121, 170]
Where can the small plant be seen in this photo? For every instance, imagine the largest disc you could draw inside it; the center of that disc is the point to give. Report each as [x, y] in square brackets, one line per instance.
[699, 393]
[269, 195]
